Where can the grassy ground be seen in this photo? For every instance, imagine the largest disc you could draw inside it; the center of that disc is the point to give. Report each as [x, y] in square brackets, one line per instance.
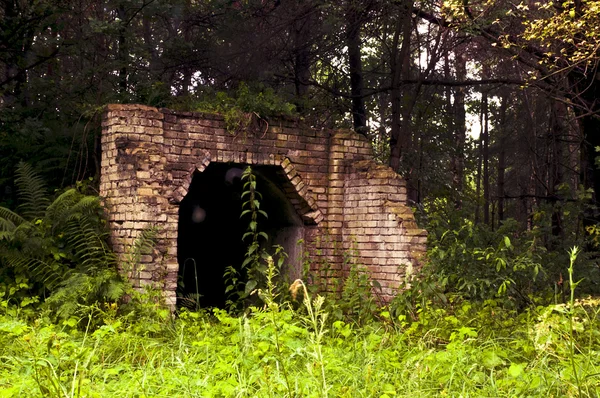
[462, 350]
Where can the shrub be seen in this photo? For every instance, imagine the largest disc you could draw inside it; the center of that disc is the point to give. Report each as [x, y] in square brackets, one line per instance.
[57, 250]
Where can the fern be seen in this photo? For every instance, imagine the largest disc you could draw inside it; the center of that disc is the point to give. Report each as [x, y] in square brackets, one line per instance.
[61, 205]
[43, 270]
[61, 247]
[143, 244]
[32, 192]
[80, 290]
[89, 247]
[7, 228]
[9, 216]
[86, 206]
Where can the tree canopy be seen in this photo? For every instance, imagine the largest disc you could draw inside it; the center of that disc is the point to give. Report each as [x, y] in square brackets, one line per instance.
[489, 109]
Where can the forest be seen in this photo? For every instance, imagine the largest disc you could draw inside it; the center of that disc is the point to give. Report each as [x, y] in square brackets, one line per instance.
[489, 109]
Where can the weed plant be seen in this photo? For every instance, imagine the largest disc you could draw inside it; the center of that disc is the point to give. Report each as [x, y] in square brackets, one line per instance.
[462, 348]
[55, 252]
[428, 342]
[525, 267]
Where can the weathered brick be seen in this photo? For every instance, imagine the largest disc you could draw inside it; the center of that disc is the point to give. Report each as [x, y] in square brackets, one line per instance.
[328, 177]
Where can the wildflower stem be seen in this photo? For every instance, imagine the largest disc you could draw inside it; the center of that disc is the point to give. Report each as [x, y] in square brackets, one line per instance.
[572, 257]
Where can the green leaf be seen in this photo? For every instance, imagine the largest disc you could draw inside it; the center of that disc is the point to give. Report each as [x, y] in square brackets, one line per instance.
[244, 213]
[389, 389]
[250, 286]
[516, 370]
[467, 331]
[246, 262]
[491, 360]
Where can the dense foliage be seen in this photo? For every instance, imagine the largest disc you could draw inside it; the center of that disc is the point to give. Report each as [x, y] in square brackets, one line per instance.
[464, 348]
[489, 109]
[55, 251]
[477, 330]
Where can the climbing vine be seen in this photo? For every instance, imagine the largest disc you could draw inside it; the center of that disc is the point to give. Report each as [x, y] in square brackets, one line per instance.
[252, 267]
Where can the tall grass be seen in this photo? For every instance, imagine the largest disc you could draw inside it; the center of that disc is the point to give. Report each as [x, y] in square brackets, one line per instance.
[283, 350]
[286, 353]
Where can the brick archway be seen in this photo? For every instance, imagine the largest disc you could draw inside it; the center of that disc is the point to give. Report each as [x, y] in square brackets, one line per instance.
[149, 156]
[294, 187]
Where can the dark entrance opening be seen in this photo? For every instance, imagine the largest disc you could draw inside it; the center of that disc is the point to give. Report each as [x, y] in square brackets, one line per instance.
[210, 229]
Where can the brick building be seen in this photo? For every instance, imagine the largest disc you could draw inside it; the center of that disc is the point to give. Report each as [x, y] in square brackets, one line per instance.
[326, 199]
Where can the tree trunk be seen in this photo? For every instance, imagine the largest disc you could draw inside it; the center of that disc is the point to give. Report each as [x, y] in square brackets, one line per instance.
[301, 31]
[401, 136]
[556, 168]
[459, 129]
[486, 161]
[353, 28]
[502, 157]
[382, 133]
[20, 42]
[480, 151]
[590, 128]
[122, 50]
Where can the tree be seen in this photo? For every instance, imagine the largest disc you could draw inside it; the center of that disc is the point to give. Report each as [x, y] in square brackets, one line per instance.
[557, 45]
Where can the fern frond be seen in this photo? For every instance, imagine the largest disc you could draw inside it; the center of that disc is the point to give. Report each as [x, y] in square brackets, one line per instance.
[88, 245]
[115, 289]
[190, 301]
[146, 241]
[7, 225]
[32, 192]
[7, 229]
[60, 246]
[48, 273]
[72, 205]
[68, 297]
[80, 290]
[25, 231]
[86, 205]
[143, 244]
[58, 210]
[11, 216]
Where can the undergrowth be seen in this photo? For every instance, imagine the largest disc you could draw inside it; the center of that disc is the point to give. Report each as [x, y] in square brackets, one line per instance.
[450, 334]
[55, 252]
[246, 108]
[294, 349]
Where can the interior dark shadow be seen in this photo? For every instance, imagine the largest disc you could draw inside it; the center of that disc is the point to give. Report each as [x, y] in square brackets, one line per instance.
[210, 230]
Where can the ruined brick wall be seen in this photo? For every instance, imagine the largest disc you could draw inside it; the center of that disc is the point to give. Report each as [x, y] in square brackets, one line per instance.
[344, 199]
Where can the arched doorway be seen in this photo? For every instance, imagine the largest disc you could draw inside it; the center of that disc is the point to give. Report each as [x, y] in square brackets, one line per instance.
[210, 229]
